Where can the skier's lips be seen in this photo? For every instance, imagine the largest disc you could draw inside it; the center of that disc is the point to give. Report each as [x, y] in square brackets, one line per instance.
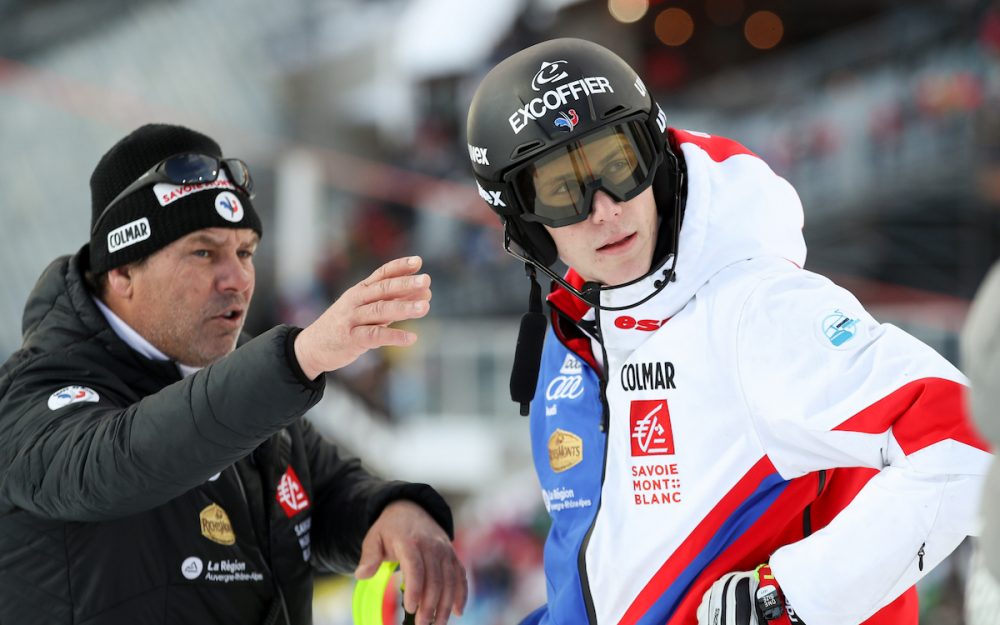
[618, 244]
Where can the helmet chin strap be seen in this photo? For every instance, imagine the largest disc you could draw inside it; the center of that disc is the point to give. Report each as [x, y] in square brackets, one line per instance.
[531, 336]
[591, 293]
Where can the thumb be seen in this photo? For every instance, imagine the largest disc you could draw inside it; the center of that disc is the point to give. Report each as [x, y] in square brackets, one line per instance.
[372, 554]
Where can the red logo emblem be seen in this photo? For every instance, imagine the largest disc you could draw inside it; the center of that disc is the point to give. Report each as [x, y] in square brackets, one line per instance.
[291, 495]
[650, 428]
[626, 322]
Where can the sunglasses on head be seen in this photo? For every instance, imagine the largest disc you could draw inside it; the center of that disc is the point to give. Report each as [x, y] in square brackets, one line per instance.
[558, 188]
[181, 169]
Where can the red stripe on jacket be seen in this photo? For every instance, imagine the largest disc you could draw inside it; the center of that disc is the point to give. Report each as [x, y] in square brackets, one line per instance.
[920, 414]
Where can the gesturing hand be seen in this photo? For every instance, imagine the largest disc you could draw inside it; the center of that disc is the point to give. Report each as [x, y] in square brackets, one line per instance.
[435, 580]
[359, 320]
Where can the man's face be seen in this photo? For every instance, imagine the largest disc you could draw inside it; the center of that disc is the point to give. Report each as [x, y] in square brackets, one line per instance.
[614, 244]
[190, 298]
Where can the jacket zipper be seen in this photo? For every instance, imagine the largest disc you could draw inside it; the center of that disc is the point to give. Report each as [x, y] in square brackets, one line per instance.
[588, 598]
[264, 542]
[807, 512]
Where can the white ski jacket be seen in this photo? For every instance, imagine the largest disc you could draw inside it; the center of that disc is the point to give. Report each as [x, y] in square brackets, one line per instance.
[749, 412]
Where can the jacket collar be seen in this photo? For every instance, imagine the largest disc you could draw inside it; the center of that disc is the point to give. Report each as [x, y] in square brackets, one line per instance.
[61, 313]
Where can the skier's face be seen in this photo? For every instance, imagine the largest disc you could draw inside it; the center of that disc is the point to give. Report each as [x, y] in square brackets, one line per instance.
[614, 244]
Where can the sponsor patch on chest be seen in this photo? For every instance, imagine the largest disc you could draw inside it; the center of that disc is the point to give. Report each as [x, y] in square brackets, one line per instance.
[290, 493]
[215, 525]
[220, 571]
[656, 483]
[559, 499]
[305, 538]
[656, 476]
[565, 450]
[648, 376]
[650, 429]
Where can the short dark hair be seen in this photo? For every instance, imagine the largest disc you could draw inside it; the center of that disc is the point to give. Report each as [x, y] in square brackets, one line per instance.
[97, 283]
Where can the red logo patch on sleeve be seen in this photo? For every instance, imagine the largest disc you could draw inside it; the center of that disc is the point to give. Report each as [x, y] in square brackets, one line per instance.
[291, 495]
[650, 428]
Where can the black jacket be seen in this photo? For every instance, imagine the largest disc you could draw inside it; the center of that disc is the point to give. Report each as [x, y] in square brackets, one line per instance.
[130, 495]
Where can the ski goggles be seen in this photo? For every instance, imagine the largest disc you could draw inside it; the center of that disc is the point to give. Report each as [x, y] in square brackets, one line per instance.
[558, 189]
[186, 169]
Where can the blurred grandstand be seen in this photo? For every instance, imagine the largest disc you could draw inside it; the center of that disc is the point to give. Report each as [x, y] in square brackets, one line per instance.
[885, 116]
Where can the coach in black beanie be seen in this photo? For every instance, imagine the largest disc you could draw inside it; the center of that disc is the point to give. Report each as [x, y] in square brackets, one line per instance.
[152, 217]
[144, 435]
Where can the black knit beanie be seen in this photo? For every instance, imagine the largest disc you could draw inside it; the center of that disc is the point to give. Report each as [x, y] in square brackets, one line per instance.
[155, 216]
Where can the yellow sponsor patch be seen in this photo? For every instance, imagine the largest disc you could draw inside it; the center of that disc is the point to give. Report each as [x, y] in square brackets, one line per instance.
[565, 450]
[215, 525]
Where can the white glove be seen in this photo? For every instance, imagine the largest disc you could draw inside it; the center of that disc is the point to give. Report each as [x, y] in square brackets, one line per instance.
[746, 598]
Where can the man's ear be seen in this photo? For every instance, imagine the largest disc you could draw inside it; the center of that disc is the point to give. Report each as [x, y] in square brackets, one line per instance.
[120, 281]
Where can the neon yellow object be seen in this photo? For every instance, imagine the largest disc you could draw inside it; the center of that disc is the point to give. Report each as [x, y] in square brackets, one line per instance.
[366, 604]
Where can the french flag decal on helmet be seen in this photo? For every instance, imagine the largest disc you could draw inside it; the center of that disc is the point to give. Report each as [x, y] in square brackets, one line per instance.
[567, 122]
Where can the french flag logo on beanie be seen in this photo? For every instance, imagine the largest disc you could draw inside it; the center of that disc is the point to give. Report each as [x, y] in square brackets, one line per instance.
[228, 206]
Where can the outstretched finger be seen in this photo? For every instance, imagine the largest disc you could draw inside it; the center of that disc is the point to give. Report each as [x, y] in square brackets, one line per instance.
[402, 287]
[394, 268]
[383, 312]
[373, 337]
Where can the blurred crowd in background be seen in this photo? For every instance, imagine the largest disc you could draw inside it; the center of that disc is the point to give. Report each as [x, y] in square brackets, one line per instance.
[885, 115]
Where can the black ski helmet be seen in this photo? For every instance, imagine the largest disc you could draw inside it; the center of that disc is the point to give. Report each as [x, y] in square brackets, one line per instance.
[544, 97]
